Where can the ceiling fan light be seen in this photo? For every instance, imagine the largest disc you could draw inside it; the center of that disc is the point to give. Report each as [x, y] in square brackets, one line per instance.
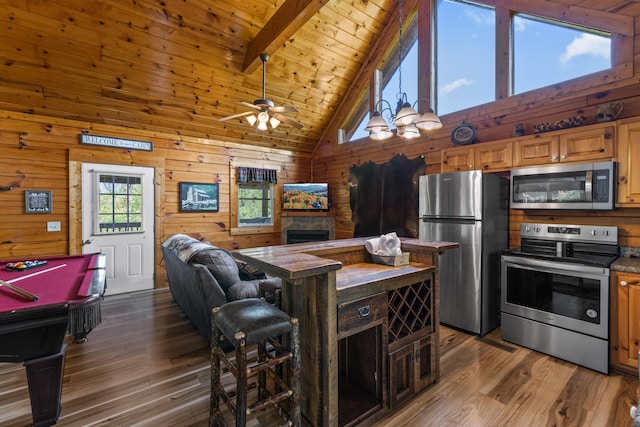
[429, 121]
[263, 117]
[252, 119]
[274, 122]
[262, 125]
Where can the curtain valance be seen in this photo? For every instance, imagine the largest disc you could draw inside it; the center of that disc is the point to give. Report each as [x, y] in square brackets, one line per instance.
[257, 175]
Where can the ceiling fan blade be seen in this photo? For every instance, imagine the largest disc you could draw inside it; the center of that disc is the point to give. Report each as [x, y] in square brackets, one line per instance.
[246, 113]
[248, 104]
[284, 109]
[288, 120]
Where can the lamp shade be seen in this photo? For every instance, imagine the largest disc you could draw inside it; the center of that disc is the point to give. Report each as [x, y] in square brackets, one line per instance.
[252, 119]
[377, 124]
[428, 121]
[406, 116]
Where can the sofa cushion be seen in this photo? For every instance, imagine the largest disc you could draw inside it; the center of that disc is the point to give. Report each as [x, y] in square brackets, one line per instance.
[221, 264]
[245, 289]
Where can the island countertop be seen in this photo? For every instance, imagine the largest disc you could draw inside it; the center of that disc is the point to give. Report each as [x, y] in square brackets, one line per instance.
[308, 259]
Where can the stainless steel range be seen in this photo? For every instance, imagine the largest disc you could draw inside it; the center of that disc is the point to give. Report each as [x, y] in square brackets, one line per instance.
[555, 291]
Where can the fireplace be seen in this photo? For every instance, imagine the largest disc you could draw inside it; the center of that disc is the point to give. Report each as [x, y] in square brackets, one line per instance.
[302, 236]
[306, 227]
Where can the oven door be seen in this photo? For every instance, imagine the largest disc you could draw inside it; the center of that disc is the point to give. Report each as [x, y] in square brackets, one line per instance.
[570, 296]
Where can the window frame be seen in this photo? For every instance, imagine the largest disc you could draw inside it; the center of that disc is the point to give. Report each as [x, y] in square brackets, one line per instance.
[236, 228]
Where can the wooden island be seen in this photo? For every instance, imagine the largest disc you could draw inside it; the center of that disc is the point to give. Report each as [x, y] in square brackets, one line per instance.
[369, 332]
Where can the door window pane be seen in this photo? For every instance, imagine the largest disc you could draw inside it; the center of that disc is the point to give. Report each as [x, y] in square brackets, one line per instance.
[119, 204]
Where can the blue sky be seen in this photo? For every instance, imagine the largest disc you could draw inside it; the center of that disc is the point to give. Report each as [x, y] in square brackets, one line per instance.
[544, 54]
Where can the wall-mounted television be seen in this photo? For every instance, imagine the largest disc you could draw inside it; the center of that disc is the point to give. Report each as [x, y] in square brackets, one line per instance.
[305, 197]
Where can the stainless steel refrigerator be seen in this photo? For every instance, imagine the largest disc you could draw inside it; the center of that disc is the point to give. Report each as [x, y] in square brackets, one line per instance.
[470, 208]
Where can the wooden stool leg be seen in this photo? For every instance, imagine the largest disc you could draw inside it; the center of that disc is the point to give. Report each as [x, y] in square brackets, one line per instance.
[241, 397]
[296, 418]
[262, 375]
[214, 402]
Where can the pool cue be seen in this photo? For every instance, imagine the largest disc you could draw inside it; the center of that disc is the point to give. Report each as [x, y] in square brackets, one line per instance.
[17, 279]
[22, 292]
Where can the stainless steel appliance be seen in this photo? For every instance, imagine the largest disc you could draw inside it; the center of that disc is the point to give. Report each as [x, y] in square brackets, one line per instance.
[555, 291]
[470, 208]
[587, 186]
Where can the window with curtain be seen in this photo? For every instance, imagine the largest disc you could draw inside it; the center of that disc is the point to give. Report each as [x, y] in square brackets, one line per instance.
[256, 204]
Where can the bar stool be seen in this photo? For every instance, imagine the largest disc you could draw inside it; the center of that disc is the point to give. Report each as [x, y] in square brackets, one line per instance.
[245, 323]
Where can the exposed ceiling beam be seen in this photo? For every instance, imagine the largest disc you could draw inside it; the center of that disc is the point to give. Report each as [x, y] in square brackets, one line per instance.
[288, 19]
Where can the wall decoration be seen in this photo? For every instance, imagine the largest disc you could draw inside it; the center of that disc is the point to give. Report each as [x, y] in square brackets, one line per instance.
[198, 197]
[571, 122]
[38, 201]
[106, 141]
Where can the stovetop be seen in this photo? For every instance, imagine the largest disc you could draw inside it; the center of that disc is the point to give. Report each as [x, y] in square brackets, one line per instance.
[581, 244]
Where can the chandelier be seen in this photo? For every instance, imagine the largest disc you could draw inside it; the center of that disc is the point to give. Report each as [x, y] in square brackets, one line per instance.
[406, 119]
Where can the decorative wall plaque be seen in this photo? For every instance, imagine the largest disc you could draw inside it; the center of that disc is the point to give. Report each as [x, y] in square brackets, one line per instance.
[38, 201]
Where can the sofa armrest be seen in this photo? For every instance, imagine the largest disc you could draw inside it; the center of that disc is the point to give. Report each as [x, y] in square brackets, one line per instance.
[271, 285]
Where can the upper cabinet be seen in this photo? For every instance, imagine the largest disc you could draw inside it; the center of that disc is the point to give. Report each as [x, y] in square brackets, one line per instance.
[628, 169]
[488, 157]
[591, 143]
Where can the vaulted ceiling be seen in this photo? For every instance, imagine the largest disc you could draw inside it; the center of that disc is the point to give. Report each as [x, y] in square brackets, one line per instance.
[181, 65]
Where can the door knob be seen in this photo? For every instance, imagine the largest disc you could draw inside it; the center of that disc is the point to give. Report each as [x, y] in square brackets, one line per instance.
[87, 242]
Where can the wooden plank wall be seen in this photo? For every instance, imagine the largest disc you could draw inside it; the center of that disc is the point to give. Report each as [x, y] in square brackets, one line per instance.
[45, 153]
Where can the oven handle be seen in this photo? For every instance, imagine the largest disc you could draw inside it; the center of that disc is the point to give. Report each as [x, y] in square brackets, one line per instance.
[553, 265]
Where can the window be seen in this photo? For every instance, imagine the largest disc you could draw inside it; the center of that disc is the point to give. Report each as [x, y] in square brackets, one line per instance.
[546, 52]
[255, 204]
[255, 200]
[465, 46]
[119, 204]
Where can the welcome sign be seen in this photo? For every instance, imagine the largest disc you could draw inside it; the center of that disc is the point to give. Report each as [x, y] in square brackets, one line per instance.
[106, 141]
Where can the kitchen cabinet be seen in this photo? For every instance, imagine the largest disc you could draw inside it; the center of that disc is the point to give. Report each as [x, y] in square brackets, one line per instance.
[625, 325]
[594, 142]
[628, 165]
[488, 157]
[412, 340]
[409, 370]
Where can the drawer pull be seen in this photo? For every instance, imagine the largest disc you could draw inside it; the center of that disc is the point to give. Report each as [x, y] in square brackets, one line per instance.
[364, 311]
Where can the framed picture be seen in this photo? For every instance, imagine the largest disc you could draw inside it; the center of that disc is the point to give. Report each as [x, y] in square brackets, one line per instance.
[198, 197]
[37, 201]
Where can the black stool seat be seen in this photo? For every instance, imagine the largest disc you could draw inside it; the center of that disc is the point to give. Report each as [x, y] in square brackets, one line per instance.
[276, 335]
[255, 317]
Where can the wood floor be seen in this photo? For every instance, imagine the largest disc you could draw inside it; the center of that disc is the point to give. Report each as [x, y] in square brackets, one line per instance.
[146, 365]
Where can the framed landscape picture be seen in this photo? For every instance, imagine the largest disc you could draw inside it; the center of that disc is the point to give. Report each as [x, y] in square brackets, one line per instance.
[198, 197]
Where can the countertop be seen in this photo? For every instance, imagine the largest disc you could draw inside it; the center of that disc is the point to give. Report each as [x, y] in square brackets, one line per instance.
[628, 264]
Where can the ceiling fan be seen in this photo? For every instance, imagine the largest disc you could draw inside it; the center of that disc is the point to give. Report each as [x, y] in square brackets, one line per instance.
[264, 110]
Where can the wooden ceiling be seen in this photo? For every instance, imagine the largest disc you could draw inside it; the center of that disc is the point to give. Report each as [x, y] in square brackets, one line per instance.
[179, 65]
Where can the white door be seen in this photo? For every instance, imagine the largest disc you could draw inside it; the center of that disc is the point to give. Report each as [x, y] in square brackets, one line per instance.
[118, 220]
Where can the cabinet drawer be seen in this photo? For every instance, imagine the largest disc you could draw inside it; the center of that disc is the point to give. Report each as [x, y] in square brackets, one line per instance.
[355, 315]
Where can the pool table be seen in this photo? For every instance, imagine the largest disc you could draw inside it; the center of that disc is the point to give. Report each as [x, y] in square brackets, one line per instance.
[66, 295]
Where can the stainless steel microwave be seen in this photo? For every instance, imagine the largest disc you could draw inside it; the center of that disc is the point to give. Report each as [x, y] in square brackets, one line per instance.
[584, 186]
